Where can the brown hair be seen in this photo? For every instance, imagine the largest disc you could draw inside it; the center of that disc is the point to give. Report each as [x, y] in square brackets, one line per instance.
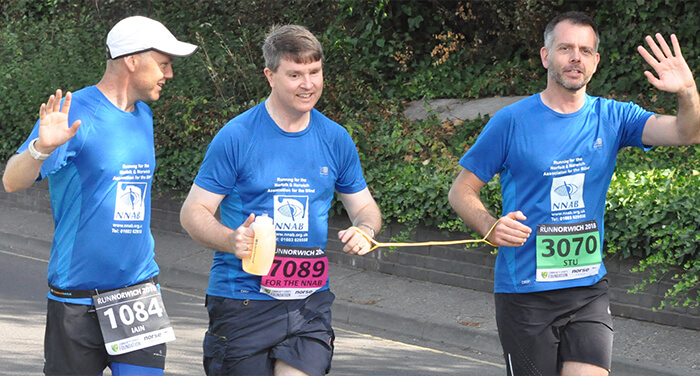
[291, 42]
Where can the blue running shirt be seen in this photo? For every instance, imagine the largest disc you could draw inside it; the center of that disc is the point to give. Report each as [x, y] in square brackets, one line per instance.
[100, 188]
[555, 168]
[290, 176]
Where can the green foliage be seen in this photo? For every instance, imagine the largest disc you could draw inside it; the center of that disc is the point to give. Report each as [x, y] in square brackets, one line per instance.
[653, 213]
[380, 53]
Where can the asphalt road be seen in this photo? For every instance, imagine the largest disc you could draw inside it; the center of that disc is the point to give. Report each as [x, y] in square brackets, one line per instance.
[359, 351]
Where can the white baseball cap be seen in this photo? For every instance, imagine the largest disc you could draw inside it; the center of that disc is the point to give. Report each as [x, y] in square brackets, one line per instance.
[137, 34]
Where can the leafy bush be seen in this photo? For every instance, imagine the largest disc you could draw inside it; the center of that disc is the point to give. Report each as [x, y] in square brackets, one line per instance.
[379, 54]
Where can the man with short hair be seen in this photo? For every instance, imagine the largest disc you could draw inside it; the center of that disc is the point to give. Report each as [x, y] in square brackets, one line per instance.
[556, 152]
[97, 151]
[284, 158]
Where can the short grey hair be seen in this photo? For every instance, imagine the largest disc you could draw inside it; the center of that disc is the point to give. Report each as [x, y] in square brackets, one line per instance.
[576, 18]
[290, 42]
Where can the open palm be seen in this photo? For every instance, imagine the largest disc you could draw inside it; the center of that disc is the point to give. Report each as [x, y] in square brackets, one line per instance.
[54, 130]
[671, 68]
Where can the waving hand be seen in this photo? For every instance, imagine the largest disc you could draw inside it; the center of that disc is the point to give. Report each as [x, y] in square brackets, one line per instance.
[673, 72]
[53, 124]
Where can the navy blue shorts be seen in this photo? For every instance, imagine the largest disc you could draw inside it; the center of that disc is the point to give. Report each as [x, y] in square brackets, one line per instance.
[246, 337]
[73, 345]
[540, 331]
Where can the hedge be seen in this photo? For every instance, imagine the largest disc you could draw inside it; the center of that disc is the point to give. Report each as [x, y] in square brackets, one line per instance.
[380, 54]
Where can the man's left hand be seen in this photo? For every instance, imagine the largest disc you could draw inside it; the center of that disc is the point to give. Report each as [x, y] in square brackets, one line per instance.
[674, 75]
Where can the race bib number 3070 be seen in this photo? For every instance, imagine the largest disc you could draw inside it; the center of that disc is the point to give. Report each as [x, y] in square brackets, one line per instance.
[133, 318]
[567, 251]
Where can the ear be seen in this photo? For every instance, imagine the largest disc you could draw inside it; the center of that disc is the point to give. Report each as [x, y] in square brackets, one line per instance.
[268, 74]
[131, 62]
[597, 60]
[544, 56]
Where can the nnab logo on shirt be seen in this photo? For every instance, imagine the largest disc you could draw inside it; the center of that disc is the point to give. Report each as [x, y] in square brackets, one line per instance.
[567, 192]
[131, 201]
[291, 213]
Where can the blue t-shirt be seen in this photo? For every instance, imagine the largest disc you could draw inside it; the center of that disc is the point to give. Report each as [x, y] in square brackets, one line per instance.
[556, 168]
[290, 176]
[100, 188]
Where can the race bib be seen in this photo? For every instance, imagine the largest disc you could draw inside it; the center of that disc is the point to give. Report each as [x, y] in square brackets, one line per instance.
[567, 251]
[132, 318]
[296, 273]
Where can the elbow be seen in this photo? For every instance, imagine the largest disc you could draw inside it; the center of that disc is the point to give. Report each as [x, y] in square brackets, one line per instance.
[184, 216]
[453, 197]
[9, 187]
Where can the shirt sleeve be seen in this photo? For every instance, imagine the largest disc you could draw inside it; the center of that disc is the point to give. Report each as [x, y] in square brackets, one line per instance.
[487, 156]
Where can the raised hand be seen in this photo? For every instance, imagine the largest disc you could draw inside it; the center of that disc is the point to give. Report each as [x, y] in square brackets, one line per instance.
[54, 130]
[673, 72]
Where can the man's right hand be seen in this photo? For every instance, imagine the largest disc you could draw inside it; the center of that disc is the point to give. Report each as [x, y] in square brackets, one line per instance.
[510, 232]
[53, 123]
[242, 239]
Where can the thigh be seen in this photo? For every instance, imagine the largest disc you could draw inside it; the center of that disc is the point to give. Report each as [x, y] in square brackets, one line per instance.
[539, 331]
[122, 369]
[588, 337]
[241, 334]
[73, 342]
[530, 346]
[309, 348]
[149, 361]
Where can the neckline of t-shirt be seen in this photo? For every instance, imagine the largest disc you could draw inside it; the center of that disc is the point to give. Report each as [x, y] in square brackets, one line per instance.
[114, 108]
[281, 131]
[559, 114]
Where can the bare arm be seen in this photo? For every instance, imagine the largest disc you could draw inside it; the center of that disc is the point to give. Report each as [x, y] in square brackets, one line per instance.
[464, 198]
[363, 212]
[674, 76]
[197, 217]
[22, 170]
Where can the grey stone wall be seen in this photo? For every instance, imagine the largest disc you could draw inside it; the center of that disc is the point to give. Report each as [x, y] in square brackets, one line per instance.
[470, 268]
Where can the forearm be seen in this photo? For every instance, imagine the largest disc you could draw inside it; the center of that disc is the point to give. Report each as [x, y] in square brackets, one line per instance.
[467, 204]
[369, 216]
[21, 172]
[205, 229]
[688, 117]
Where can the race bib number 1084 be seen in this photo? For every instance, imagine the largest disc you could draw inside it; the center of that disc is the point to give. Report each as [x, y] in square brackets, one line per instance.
[133, 318]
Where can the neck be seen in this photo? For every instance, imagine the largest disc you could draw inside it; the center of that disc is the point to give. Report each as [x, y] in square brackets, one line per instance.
[288, 121]
[563, 100]
[115, 90]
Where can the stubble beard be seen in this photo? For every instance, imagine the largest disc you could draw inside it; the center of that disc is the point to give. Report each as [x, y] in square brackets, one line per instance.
[558, 77]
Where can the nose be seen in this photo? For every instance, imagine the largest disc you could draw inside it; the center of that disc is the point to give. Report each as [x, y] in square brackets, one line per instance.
[306, 81]
[575, 54]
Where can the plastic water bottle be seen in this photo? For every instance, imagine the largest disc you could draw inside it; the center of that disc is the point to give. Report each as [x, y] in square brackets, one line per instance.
[264, 246]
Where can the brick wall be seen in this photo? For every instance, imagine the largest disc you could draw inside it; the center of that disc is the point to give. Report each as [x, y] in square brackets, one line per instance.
[470, 268]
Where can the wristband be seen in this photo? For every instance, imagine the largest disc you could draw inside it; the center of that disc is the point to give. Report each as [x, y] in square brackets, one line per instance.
[35, 153]
[371, 230]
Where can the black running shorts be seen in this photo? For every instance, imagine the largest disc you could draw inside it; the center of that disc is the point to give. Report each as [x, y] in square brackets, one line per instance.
[540, 331]
[246, 337]
[73, 343]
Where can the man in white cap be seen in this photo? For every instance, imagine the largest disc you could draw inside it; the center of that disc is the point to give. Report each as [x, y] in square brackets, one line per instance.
[104, 306]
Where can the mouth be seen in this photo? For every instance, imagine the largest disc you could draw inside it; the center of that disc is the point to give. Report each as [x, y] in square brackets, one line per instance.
[574, 71]
[305, 96]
